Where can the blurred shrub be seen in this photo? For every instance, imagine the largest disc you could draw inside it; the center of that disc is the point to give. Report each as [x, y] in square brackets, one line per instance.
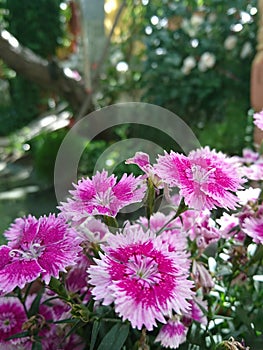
[195, 61]
[44, 151]
[37, 25]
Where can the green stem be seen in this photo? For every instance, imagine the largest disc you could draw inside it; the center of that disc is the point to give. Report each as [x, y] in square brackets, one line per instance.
[111, 222]
[150, 199]
[180, 210]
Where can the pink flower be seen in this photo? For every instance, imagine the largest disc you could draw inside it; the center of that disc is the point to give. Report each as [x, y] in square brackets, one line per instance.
[254, 171]
[202, 276]
[172, 334]
[249, 156]
[206, 178]
[228, 225]
[258, 119]
[204, 230]
[77, 278]
[171, 233]
[141, 277]
[92, 230]
[102, 195]
[12, 318]
[199, 306]
[42, 247]
[143, 161]
[253, 227]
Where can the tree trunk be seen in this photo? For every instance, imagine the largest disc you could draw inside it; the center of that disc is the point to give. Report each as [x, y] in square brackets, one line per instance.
[40, 71]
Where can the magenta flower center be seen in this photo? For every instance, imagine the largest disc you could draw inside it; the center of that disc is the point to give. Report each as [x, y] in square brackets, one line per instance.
[7, 322]
[143, 268]
[144, 273]
[174, 329]
[27, 253]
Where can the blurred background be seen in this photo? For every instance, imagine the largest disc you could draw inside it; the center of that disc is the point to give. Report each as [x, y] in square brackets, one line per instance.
[60, 60]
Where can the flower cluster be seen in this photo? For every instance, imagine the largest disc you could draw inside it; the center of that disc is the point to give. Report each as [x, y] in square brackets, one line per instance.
[156, 274]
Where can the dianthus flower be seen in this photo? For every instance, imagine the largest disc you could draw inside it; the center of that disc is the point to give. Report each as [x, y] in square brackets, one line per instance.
[141, 277]
[253, 227]
[172, 334]
[206, 179]
[202, 276]
[142, 160]
[76, 279]
[92, 230]
[258, 119]
[169, 231]
[37, 247]
[197, 312]
[102, 195]
[252, 164]
[228, 225]
[248, 156]
[12, 318]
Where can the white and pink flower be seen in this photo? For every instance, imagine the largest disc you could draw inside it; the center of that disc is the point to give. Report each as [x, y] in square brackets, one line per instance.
[12, 318]
[36, 247]
[172, 334]
[141, 277]
[253, 227]
[206, 179]
[102, 195]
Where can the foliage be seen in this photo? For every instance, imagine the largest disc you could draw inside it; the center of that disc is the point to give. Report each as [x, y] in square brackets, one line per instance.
[40, 26]
[40, 29]
[44, 152]
[195, 61]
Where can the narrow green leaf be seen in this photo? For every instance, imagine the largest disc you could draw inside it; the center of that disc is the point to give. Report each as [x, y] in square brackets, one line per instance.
[150, 199]
[67, 320]
[57, 287]
[36, 346]
[18, 335]
[115, 338]
[35, 305]
[94, 334]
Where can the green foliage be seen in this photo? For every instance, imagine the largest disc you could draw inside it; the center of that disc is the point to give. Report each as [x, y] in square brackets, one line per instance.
[229, 135]
[177, 31]
[44, 151]
[211, 99]
[115, 337]
[37, 25]
[23, 108]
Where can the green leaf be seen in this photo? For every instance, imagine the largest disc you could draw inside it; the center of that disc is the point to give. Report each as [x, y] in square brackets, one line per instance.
[150, 199]
[115, 338]
[35, 305]
[94, 334]
[67, 320]
[57, 287]
[18, 335]
[36, 346]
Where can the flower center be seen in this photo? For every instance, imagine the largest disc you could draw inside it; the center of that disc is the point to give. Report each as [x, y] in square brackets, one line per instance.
[7, 322]
[200, 174]
[33, 252]
[144, 269]
[104, 198]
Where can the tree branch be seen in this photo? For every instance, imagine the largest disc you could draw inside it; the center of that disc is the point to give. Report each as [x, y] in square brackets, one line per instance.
[40, 71]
